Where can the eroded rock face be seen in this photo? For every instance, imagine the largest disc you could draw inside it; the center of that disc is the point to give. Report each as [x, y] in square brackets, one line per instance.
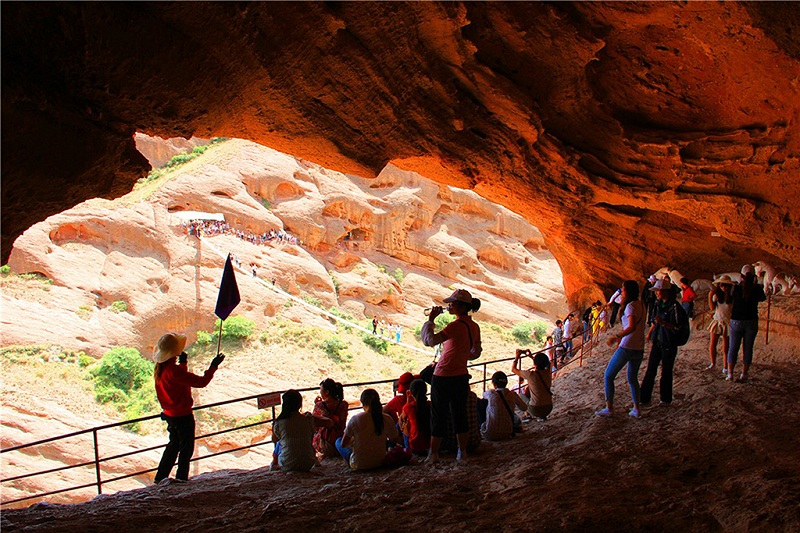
[634, 130]
[354, 233]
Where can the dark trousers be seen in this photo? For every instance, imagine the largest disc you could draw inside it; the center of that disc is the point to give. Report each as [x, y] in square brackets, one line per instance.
[664, 356]
[614, 311]
[449, 394]
[180, 446]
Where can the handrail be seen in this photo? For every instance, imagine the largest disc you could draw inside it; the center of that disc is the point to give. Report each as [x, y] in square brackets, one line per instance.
[97, 460]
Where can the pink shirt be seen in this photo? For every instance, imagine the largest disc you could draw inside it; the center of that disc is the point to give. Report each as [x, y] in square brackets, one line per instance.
[456, 346]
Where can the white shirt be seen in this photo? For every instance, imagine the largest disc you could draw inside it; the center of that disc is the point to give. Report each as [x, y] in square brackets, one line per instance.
[369, 449]
[499, 425]
[634, 314]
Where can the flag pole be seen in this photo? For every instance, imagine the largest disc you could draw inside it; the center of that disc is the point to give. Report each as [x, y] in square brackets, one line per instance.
[219, 336]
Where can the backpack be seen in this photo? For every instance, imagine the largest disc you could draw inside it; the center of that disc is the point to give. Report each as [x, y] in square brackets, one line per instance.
[684, 329]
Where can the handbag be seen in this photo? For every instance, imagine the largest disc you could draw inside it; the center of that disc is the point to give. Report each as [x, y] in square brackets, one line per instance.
[426, 374]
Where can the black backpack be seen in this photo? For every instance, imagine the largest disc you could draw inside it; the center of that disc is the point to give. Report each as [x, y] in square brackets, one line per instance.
[684, 328]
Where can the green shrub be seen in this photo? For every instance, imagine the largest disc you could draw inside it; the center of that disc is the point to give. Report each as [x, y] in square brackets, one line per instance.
[311, 300]
[341, 314]
[235, 327]
[120, 306]
[199, 149]
[334, 347]
[84, 360]
[204, 338]
[5, 270]
[335, 282]
[442, 320]
[266, 203]
[398, 275]
[376, 343]
[123, 368]
[529, 332]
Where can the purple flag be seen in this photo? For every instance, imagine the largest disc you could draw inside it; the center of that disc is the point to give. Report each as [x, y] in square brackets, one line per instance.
[228, 297]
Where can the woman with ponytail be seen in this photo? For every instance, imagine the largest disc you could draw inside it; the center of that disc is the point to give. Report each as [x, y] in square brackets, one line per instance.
[363, 444]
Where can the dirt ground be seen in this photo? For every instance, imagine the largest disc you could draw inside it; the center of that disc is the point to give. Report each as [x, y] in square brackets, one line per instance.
[723, 457]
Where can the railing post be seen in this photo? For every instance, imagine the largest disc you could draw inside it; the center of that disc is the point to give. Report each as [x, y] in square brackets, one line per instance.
[769, 307]
[97, 463]
[484, 377]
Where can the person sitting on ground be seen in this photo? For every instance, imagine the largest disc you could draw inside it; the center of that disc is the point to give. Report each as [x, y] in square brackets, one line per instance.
[540, 383]
[330, 404]
[501, 422]
[292, 433]
[363, 445]
[415, 419]
[394, 406]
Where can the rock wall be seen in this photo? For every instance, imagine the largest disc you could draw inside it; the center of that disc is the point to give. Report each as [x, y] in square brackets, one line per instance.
[633, 131]
[354, 233]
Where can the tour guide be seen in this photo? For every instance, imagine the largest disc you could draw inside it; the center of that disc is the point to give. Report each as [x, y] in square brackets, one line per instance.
[174, 390]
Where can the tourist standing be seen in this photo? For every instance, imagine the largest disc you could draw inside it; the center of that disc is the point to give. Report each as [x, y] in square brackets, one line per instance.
[630, 351]
[744, 321]
[461, 342]
[664, 348]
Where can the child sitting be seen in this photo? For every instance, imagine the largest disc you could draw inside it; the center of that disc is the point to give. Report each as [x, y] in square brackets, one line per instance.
[415, 419]
[292, 433]
[501, 422]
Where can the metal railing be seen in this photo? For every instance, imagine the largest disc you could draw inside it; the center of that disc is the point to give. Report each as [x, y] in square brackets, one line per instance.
[98, 460]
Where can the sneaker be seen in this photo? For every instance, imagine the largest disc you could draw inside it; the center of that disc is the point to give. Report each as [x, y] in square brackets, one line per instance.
[604, 412]
[711, 367]
[634, 413]
[724, 371]
[743, 377]
[729, 377]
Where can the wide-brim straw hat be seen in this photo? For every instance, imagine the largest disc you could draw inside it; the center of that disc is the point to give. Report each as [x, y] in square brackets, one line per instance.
[169, 345]
[724, 280]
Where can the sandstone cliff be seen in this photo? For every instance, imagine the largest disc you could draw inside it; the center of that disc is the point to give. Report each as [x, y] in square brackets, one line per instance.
[352, 230]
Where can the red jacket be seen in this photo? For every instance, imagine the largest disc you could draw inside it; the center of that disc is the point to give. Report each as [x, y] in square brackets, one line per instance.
[174, 388]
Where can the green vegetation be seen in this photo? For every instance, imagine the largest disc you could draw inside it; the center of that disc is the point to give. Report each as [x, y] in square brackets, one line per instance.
[180, 159]
[5, 270]
[266, 204]
[529, 332]
[119, 306]
[335, 311]
[336, 349]
[376, 343]
[84, 312]
[307, 298]
[335, 282]
[124, 379]
[398, 275]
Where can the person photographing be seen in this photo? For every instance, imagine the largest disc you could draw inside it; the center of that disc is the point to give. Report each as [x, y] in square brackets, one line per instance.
[173, 383]
[461, 342]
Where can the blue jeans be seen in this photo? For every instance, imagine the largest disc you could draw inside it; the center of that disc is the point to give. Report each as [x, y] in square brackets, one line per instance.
[345, 452]
[568, 348]
[742, 330]
[587, 330]
[623, 356]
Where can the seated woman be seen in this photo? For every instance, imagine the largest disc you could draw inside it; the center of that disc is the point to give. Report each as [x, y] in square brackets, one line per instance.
[292, 432]
[500, 418]
[330, 404]
[415, 420]
[363, 444]
[539, 381]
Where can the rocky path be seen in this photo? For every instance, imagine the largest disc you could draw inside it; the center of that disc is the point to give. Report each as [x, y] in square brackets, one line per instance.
[723, 457]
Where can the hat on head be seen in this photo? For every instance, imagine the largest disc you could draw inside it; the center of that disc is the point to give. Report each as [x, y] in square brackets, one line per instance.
[651, 279]
[460, 295]
[724, 280]
[662, 285]
[169, 345]
[404, 381]
[748, 269]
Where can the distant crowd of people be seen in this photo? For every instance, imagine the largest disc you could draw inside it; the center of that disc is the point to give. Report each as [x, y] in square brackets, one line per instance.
[209, 228]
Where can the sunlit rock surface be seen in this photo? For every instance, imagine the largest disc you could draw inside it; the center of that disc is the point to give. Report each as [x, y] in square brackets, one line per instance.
[354, 234]
[631, 131]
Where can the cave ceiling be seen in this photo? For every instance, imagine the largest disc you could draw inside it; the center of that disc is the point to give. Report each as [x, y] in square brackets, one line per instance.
[629, 133]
